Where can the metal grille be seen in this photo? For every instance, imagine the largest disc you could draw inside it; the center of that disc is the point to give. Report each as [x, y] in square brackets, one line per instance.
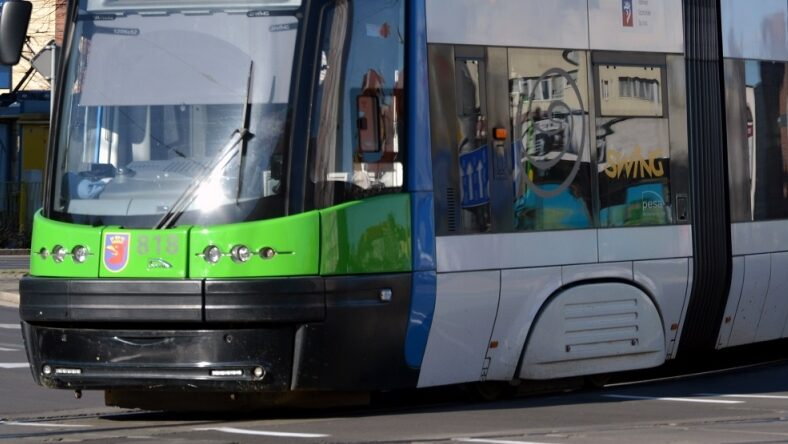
[451, 210]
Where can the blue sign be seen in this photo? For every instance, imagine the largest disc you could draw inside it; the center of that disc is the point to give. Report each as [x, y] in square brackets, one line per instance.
[475, 174]
[5, 77]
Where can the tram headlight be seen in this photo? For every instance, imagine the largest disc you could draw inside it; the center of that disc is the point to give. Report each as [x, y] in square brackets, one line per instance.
[59, 253]
[43, 252]
[212, 254]
[241, 253]
[80, 254]
[267, 253]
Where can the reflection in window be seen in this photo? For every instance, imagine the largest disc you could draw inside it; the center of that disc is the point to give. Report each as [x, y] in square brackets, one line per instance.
[550, 127]
[358, 104]
[473, 150]
[637, 90]
[634, 162]
[757, 99]
[633, 147]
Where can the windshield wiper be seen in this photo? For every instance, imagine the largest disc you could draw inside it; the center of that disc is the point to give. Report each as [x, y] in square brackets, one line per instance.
[246, 118]
[226, 155]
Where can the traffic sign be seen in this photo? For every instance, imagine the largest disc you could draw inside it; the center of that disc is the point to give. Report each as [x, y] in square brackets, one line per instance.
[475, 173]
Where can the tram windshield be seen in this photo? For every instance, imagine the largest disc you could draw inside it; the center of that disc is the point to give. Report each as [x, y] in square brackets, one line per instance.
[175, 107]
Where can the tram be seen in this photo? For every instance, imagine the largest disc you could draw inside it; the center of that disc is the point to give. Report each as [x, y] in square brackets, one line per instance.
[298, 196]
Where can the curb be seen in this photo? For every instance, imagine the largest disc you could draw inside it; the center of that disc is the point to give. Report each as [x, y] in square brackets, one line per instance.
[8, 298]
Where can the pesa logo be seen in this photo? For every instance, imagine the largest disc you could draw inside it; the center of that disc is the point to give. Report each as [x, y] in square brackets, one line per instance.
[628, 13]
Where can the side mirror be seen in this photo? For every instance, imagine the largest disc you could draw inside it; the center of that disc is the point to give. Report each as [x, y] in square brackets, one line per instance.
[14, 19]
[370, 147]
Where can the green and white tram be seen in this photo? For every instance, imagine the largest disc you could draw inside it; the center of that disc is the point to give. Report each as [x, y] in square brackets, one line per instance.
[289, 196]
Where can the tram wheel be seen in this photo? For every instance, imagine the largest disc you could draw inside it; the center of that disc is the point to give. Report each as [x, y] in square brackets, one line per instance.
[596, 381]
[489, 391]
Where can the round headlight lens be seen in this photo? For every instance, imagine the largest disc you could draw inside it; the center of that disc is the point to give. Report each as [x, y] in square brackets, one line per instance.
[241, 253]
[80, 254]
[59, 253]
[43, 252]
[212, 254]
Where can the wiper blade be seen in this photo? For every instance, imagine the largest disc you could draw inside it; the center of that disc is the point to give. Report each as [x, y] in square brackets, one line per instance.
[226, 155]
[246, 122]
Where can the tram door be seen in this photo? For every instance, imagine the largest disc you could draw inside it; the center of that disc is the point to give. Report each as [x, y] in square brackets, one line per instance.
[471, 154]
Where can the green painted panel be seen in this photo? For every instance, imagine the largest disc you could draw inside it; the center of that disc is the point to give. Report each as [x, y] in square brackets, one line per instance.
[294, 238]
[48, 233]
[146, 254]
[368, 236]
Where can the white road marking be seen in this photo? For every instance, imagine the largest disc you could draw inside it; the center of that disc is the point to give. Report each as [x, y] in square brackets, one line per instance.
[652, 398]
[41, 424]
[3, 349]
[7, 365]
[11, 326]
[493, 441]
[261, 432]
[717, 395]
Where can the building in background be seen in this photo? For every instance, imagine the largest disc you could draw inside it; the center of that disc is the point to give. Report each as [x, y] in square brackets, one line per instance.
[24, 128]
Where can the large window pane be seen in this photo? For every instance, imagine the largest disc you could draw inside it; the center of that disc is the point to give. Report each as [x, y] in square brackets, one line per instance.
[549, 100]
[358, 106]
[633, 147]
[757, 99]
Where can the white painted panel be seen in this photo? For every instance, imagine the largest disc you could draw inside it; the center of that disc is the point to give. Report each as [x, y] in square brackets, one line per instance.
[575, 273]
[523, 292]
[656, 26]
[759, 237]
[775, 309]
[594, 328]
[755, 29]
[753, 295]
[465, 309]
[666, 280]
[523, 23]
[516, 250]
[737, 282]
[645, 243]
[674, 348]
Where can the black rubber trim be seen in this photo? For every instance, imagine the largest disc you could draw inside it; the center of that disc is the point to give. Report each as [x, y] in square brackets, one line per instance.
[361, 343]
[272, 300]
[172, 301]
[708, 177]
[52, 300]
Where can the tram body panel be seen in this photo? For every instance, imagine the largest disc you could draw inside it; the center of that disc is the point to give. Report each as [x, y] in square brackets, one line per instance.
[465, 309]
[734, 295]
[523, 293]
[775, 308]
[594, 328]
[515, 250]
[645, 243]
[757, 269]
[755, 98]
[668, 282]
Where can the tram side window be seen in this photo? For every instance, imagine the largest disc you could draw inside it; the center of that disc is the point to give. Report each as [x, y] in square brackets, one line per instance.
[473, 148]
[756, 103]
[552, 161]
[633, 146]
[355, 149]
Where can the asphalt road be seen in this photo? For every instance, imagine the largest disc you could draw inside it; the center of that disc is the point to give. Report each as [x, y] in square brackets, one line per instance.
[748, 405]
[9, 262]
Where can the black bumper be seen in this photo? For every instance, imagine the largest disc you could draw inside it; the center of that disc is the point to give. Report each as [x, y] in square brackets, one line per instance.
[305, 333]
